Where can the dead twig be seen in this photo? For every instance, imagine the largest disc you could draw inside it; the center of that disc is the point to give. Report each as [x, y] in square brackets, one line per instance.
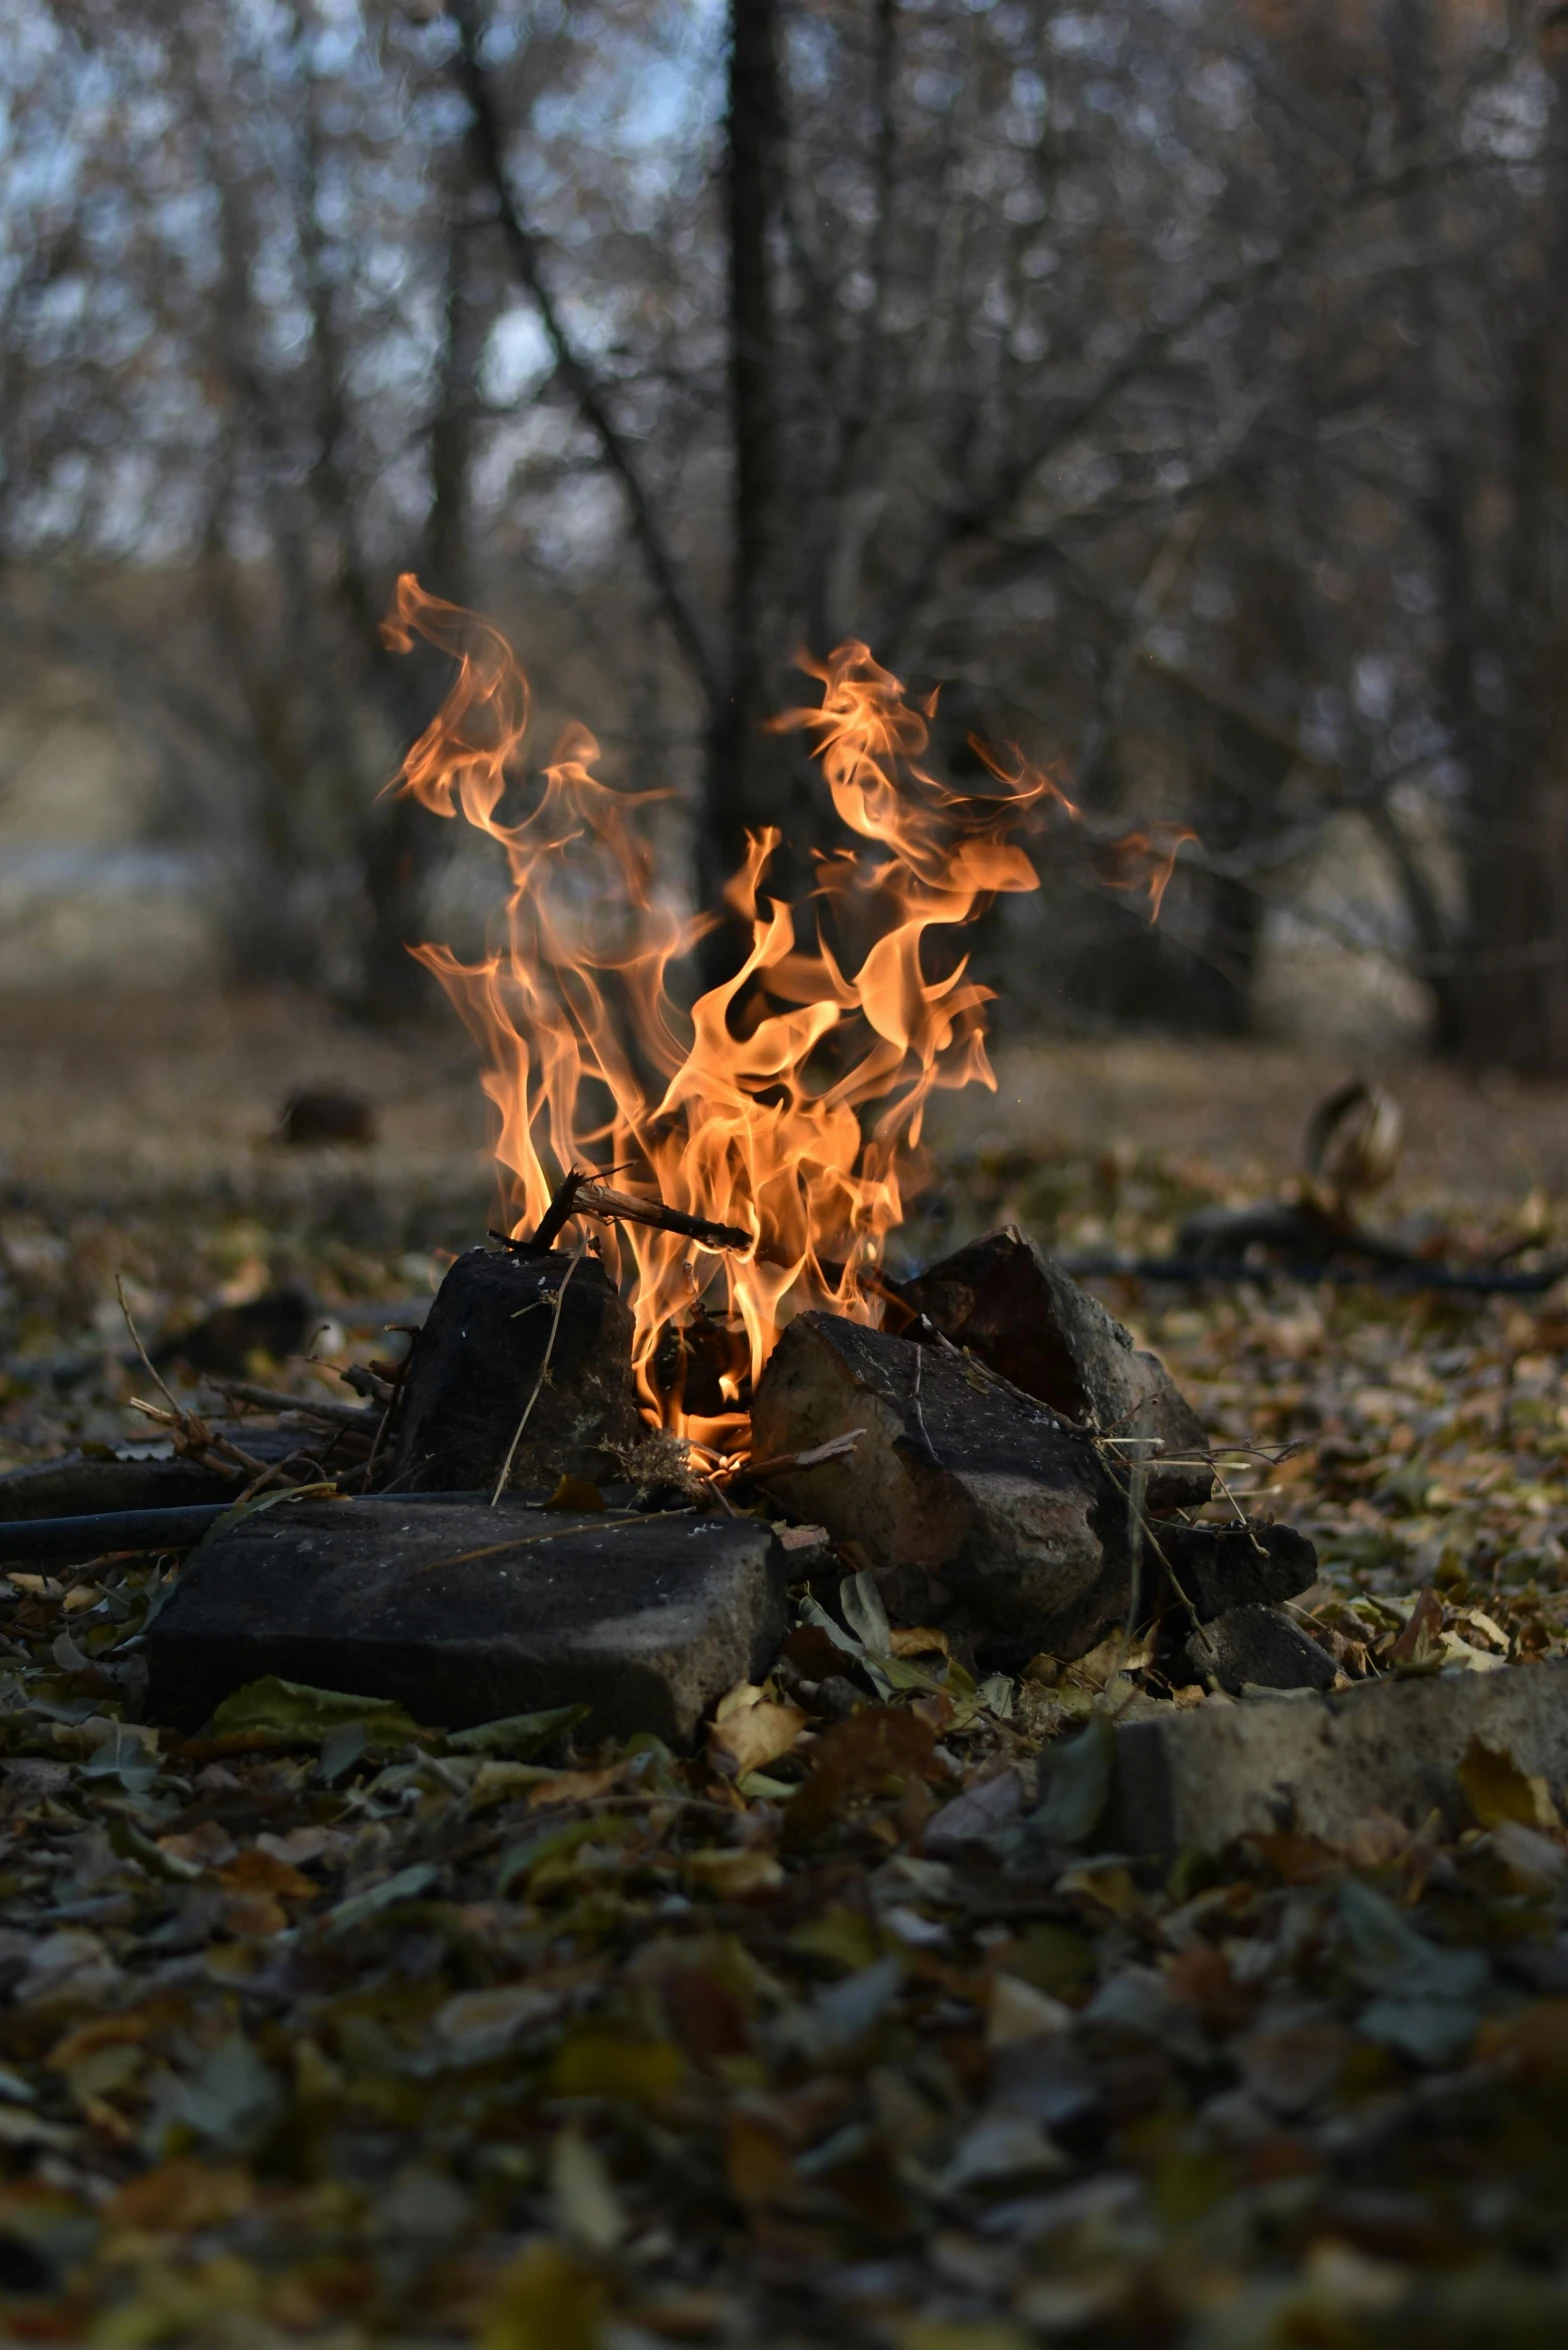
[274, 1399]
[150, 1366]
[544, 1372]
[463, 1558]
[834, 1449]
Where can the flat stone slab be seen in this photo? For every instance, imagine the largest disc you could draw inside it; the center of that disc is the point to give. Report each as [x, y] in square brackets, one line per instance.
[1320, 1763]
[464, 1614]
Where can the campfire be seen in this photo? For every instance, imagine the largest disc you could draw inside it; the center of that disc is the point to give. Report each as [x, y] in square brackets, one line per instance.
[685, 1399]
[744, 1159]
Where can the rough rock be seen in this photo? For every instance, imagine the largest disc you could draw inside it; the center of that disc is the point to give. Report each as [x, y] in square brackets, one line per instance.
[1024, 1315]
[965, 1496]
[1258, 1647]
[464, 1614]
[478, 1360]
[1198, 1779]
[1214, 1568]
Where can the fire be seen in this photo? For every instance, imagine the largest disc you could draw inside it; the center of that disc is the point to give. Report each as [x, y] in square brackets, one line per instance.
[787, 1102]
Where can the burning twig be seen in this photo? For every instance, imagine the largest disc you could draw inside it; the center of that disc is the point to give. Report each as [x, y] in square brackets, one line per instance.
[582, 1195]
[560, 1211]
[597, 1199]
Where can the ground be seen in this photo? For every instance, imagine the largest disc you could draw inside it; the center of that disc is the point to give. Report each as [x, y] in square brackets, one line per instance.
[325, 2028]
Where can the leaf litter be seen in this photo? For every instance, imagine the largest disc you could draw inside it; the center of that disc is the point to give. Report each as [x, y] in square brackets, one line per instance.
[327, 2026]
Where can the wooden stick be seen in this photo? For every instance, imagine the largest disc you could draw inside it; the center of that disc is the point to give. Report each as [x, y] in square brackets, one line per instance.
[559, 1213]
[834, 1449]
[583, 1195]
[544, 1372]
[597, 1199]
[273, 1399]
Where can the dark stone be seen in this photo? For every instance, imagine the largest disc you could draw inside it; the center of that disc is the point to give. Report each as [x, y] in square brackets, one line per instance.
[276, 1324]
[327, 1113]
[464, 1614]
[1215, 1568]
[1259, 1646]
[959, 1491]
[477, 1362]
[1011, 1305]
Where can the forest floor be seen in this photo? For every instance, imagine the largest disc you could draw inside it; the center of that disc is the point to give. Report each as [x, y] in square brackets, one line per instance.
[560, 2049]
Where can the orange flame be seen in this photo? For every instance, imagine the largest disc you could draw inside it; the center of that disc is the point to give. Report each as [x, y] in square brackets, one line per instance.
[788, 1101]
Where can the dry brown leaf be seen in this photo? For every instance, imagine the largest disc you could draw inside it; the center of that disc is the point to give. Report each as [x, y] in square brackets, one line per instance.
[750, 1729]
[918, 1640]
[181, 2196]
[255, 1871]
[568, 1786]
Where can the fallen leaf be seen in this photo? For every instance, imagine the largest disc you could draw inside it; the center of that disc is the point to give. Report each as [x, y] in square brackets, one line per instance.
[856, 1758]
[1075, 1783]
[592, 2062]
[545, 2301]
[517, 1735]
[574, 1493]
[273, 1712]
[256, 1871]
[917, 1640]
[733, 1871]
[1419, 1647]
[749, 1729]
[571, 1786]
[1017, 2011]
[1496, 1789]
[180, 2196]
[582, 2192]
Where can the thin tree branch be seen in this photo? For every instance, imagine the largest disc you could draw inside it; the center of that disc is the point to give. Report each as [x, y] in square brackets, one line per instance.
[680, 611]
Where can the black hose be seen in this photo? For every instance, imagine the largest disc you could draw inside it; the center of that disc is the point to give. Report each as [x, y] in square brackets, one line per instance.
[72, 1539]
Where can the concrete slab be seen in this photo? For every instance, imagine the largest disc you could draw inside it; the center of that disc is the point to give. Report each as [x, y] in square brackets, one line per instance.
[464, 1614]
[1321, 1762]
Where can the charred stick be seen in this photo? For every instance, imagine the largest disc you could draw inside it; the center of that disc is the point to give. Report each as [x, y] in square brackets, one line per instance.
[581, 1195]
[559, 1213]
[597, 1199]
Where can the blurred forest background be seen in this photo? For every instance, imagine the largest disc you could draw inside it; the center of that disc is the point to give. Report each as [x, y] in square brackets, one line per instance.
[1175, 383]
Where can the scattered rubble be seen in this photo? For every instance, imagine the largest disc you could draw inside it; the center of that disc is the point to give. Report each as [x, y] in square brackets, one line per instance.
[462, 1614]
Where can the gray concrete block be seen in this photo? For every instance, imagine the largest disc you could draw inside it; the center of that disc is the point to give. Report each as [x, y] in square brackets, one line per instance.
[645, 1623]
[1320, 1763]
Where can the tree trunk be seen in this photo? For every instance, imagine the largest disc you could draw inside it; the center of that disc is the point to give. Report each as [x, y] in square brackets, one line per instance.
[746, 780]
[404, 839]
[1511, 994]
